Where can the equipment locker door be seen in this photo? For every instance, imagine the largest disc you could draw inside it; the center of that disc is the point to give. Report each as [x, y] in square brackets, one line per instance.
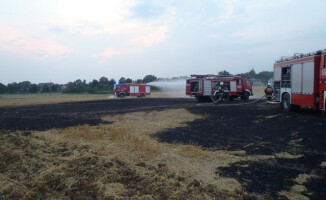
[132, 89]
[148, 89]
[233, 87]
[207, 87]
[136, 89]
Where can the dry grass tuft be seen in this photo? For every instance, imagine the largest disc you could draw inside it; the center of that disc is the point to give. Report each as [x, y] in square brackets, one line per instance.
[84, 131]
[36, 99]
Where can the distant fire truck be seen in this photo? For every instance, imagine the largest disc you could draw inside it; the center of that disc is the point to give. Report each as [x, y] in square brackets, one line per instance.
[300, 80]
[130, 89]
[204, 87]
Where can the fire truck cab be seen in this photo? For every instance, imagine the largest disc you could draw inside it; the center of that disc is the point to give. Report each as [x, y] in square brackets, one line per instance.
[204, 87]
[130, 89]
[300, 80]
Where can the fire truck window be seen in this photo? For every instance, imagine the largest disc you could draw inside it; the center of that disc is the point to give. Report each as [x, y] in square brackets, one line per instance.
[239, 81]
[325, 62]
[194, 86]
[214, 85]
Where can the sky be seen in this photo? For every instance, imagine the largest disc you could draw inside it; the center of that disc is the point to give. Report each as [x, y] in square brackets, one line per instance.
[65, 40]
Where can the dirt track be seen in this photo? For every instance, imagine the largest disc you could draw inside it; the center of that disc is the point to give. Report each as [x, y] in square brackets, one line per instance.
[254, 129]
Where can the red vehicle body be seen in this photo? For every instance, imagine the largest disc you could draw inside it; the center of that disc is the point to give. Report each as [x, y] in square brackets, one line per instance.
[300, 80]
[203, 87]
[130, 89]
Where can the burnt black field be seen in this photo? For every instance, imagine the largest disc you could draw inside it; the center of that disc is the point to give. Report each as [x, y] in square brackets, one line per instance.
[256, 128]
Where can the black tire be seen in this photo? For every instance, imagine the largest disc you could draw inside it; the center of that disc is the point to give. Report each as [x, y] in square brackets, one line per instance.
[202, 99]
[142, 95]
[122, 95]
[226, 97]
[246, 95]
[286, 105]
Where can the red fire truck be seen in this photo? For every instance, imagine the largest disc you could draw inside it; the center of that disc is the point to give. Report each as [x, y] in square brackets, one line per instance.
[300, 80]
[204, 87]
[130, 89]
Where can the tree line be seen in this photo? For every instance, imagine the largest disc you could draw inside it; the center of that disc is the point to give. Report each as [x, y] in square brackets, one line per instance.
[263, 76]
[100, 86]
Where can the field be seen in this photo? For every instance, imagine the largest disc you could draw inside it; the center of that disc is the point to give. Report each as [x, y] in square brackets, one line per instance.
[160, 148]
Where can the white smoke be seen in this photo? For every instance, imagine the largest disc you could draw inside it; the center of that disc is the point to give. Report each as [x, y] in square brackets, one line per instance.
[171, 88]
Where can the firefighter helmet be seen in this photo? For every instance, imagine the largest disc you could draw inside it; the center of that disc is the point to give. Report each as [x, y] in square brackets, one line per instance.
[221, 83]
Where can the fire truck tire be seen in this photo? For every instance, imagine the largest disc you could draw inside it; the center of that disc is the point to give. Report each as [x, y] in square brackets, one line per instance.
[122, 95]
[246, 96]
[142, 95]
[202, 99]
[286, 105]
[226, 97]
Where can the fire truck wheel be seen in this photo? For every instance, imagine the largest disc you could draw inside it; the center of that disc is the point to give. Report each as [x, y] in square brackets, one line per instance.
[201, 99]
[246, 96]
[122, 95]
[226, 97]
[286, 102]
[142, 95]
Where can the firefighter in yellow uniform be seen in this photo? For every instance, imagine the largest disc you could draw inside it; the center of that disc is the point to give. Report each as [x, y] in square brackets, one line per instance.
[269, 92]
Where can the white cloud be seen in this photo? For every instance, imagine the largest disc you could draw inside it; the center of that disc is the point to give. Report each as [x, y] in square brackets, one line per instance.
[114, 18]
[214, 36]
[227, 12]
[272, 21]
[108, 53]
[14, 40]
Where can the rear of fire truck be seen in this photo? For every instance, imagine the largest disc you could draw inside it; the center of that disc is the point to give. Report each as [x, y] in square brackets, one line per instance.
[300, 80]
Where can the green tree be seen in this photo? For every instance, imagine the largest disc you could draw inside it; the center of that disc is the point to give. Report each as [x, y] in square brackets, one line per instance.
[24, 86]
[122, 80]
[139, 81]
[94, 83]
[77, 86]
[224, 73]
[128, 80]
[33, 89]
[111, 82]
[104, 81]
[55, 87]
[149, 78]
[264, 76]
[13, 87]
[251, 74]
[2, 88]
[45, 88]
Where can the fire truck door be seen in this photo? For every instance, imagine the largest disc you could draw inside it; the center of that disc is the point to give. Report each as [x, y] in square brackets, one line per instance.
[132, 89]
[148, 89]
[233, 86]
[136, 89]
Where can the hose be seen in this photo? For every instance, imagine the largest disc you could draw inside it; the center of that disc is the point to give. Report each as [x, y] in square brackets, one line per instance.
[234, 104]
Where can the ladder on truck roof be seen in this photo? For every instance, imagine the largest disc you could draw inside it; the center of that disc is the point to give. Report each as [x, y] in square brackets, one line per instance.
[299, 55]
[211, 76]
